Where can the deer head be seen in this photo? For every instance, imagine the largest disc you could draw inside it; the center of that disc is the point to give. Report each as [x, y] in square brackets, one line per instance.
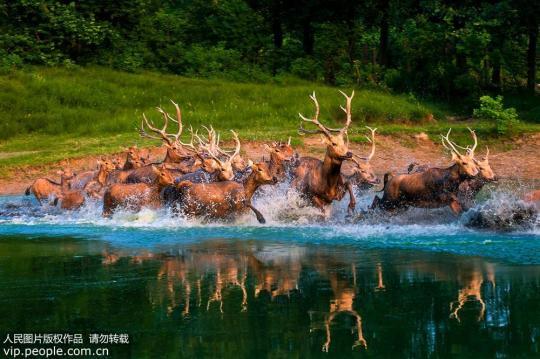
[485, 169]
[261, 173]
[163, 176]
[223, 160]
[466, 164]
[363, 167]
[280, 151]
[337, 140]
[106, 165]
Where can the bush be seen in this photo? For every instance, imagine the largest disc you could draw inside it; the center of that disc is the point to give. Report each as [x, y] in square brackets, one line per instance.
[493, 109]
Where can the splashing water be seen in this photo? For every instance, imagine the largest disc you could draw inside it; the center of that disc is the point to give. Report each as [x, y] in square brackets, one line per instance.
[288, 219]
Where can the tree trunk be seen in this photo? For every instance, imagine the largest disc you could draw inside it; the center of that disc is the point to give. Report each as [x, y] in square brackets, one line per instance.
[277, 29]
[496, 72]
[531, 56]
[384, 32]
[308, 36]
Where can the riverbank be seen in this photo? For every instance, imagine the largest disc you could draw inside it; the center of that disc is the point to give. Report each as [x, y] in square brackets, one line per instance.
[511, 159]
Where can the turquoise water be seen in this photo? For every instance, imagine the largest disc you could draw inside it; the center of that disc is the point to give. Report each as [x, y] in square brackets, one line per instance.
[420, 285]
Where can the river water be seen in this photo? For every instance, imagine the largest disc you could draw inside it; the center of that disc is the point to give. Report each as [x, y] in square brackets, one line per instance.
[420, 285]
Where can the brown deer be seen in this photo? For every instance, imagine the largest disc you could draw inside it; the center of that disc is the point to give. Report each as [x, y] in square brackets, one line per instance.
[433, 188]
[121, 175]
[97, 185]
[280, 155]
[469, 188]
[136, 195]
[362, 174]
[225, 199]
[44, 188]
[177, 152]
[318, 181]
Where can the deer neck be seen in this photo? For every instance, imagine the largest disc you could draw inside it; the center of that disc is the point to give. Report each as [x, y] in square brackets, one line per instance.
[101, 176]
[250, 186]
[64, 183]
[331, 170]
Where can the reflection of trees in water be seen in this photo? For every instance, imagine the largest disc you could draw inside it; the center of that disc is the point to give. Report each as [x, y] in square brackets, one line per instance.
[417, 304]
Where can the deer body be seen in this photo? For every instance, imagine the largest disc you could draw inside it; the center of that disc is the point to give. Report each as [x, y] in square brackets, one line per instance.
[433, 188]
[225, 199]
[135, 196]
[44, 188]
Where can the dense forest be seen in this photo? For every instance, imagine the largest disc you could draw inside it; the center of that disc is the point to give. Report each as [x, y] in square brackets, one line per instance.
[437, 48]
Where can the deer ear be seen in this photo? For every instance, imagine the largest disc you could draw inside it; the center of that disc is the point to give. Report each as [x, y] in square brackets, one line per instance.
[267, 148]
[156, 170]
[323, 139]
[251, 164]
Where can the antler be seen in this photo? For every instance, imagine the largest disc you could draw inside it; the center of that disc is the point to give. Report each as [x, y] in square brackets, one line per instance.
[190, 146]
[473, 134]
[451, 146]
[314, 120]
[347, 110]
[163, 135]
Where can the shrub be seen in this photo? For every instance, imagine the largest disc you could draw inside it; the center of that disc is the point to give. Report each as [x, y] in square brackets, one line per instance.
[493, 109]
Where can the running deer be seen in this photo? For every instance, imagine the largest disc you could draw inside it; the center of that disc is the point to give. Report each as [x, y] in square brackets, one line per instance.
[281, 154]
[177, 152]
[97, 185]
[135, 196]
[433, 188]
[469, 188]
[362, 174]
[44, 188]
[225, 199]
[318, 181]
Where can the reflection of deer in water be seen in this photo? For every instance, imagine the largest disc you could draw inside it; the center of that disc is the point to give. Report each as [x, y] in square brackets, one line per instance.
[343, 303]
[471, 281]
[277, 278]
[174, 269]
[228, 273]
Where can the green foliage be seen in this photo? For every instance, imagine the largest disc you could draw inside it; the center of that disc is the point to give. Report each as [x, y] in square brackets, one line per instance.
[506, 119]
[449, 50]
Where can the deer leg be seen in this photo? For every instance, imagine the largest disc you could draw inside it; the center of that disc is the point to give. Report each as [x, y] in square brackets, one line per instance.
[352, 199]
[258, 214]
[455, 206]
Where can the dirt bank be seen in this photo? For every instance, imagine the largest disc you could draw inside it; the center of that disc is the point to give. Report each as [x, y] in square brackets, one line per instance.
[394, 153]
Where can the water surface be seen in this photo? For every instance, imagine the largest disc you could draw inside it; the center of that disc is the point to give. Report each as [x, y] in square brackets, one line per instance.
[404, 288]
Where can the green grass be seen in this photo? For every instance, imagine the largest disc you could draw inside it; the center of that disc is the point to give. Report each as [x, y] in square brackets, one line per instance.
[49, 114]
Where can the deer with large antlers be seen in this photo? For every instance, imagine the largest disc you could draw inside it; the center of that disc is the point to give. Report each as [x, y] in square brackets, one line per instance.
[177, 152]
[432, 188]
[469, 188]
[318, 181]
[225, 199]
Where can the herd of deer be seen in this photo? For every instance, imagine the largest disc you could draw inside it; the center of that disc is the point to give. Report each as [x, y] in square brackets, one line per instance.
[201, 179]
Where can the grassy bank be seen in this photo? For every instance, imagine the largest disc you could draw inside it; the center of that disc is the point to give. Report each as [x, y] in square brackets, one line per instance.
[50, 114]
